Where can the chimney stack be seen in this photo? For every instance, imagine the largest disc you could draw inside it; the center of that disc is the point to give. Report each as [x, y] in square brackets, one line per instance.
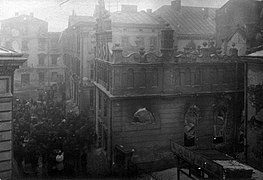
[149, 11]
[32, 14]
[176, 4]
[16, 14]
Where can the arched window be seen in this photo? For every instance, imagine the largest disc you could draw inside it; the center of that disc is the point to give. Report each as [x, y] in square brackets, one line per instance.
[155, 78]
[192, 116]
[220, 117]
[198, 76]
[130, 78]
[142, 78]
[187, 76]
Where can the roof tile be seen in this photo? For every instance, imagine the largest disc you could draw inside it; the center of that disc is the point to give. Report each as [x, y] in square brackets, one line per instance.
[190, 20]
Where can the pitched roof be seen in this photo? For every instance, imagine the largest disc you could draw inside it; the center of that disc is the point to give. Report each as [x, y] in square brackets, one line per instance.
[189, 20]
[74, 19]
[238, 30]
[140, 18]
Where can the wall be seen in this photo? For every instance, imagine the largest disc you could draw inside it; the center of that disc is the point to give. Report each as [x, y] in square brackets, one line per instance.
[31, 29]
[255, 130]
[151, 141]
[240, 45]
[5, 137]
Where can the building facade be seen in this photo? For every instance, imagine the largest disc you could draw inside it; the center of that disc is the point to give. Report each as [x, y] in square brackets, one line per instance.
[30, 36]
[253, 109]
[239, 17]
[9, 61]
[144, 100]
[131, 29]
[78, 42]
[192, 25]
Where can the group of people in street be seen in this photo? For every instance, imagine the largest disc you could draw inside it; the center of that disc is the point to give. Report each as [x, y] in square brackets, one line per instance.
[47, 140]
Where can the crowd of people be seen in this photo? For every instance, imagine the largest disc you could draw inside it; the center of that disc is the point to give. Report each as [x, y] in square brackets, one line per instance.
[47, 140]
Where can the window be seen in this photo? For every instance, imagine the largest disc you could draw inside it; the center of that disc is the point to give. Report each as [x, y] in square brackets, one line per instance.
[191, 118]
[41, 59]
[187, 76]
[78, 43]
[142, 80]
[130, 78]
[99, 100]
[153, 42]
[54, 43]
[25, 79]
[91, 98]
[219, 125]
[125, 41]
[41, 77]
[24, 45]
[54, 76]
[140, 42]
[105, 107]
[92, 72]
[4, 86]
[41, 44]
[54, 60]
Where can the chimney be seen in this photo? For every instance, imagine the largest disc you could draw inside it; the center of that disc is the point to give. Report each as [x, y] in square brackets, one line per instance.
[176, 4]
[129, 8]
[32, 14]
[149, 11]
[16, 13]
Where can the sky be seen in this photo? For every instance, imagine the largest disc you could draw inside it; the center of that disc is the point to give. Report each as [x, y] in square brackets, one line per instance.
[57, 15]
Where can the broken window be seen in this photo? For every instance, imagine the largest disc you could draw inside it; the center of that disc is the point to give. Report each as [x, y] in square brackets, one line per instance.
[143, 116]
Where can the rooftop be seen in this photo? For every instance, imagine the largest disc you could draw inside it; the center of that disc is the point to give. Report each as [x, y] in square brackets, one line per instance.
[24, 17]
[11, 57]
[74, 19]
[189, 20]
[141, 18]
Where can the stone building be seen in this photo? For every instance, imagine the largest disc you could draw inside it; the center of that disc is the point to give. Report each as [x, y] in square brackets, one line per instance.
[30, 35]
[130, 28]
[192, 25]
[78, 42]
[253, 114]
[144, 100]
[239, 22]
[9, 61]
